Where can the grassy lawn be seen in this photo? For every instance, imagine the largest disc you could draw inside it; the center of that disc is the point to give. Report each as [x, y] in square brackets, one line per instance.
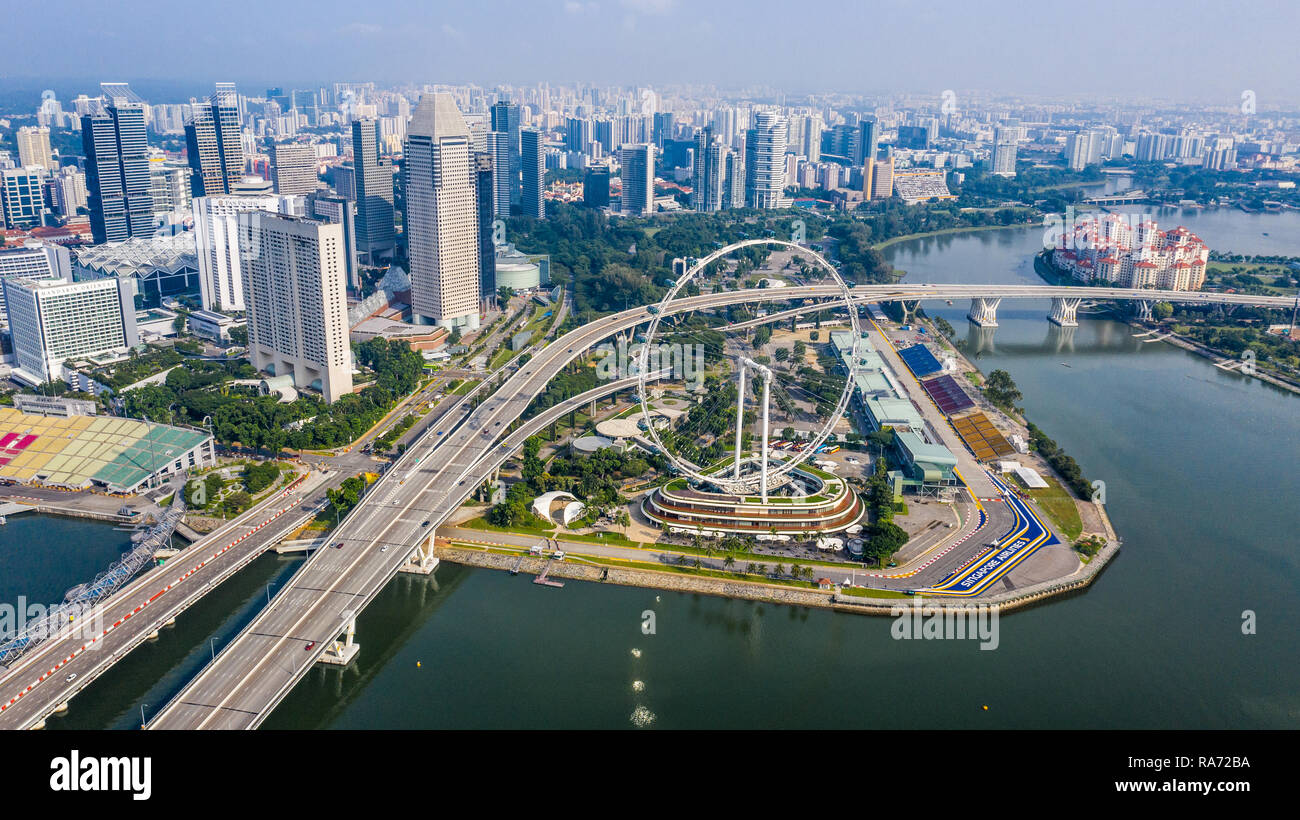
[482, 524]
[614, 538]
[1059, 505]
[707, 573]
[858, 592]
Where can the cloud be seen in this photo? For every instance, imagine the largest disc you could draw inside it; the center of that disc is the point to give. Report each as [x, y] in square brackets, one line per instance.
[575, 7]
[359, 28]
[649, 6]
[453, 32]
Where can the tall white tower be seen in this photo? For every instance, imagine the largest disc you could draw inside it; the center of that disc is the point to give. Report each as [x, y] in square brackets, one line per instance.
[441, 215]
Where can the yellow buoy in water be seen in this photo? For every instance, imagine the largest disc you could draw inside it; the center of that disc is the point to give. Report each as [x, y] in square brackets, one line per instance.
[417, 666]
[986, 708]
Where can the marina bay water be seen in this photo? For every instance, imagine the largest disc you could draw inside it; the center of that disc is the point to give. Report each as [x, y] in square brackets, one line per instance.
[1201, 480]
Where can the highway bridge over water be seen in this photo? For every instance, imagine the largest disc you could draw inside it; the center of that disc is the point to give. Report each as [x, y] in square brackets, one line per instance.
[391, 530]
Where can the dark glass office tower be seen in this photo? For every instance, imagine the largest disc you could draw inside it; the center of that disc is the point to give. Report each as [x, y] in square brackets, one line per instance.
[533, 165]
[595, 186]
[212, 144]
[117, 172]
[505, 120]
[484, 190]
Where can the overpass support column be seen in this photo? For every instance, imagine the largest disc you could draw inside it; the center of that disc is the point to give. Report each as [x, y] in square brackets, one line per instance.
[984, 311]
[1144, 309]
[908, 307]
[1065, 312]
[421, 561]
[342, 649]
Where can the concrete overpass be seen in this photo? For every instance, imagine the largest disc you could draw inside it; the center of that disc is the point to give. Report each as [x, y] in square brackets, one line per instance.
[241, 687]
[985, 299]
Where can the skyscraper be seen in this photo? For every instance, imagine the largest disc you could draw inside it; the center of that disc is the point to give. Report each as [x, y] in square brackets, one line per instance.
[498, 148]
[812, 137]
[638, 179]
[212, 142]
[765, 161]
[663, 128]
[1004, 151]
[868, 143]
[533, 170]
[441, 215]
[216, 243]
[304, 102]
[52, 320]
[505, 120]
[734, 193]
[34, 148]
[485, 200]
[373, 179]
[293, 167]
[294, 280]
[22, 196]
[117, 172]
[708, 187]
[595, 186]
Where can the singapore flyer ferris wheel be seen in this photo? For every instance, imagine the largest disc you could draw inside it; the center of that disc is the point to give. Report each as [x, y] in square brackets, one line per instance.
[767, 475]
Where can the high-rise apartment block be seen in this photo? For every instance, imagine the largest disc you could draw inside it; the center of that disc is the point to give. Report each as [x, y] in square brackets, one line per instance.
[293, 168]
[34, 148]
[765, 161]
[638, 194]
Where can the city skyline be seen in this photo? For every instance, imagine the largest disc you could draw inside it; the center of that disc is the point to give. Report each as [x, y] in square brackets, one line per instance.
[675, 42]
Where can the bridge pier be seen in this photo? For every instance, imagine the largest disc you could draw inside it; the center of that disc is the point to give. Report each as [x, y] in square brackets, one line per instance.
[908, 307]
[1143, 308]
[421, 561]
[342, 650]
[1065, 311]
[984, 311]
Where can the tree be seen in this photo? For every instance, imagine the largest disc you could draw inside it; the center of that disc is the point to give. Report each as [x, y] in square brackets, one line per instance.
[781, 354]
[503, 295]
[1001, 390]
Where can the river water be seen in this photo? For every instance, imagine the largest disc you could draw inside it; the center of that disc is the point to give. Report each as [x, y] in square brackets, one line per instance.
[1200, 468]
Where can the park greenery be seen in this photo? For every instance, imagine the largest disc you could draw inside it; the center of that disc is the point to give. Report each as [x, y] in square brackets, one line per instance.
[202, 390]
[882, 537]
[594, 479]
[1061, 462]
[1001, 390]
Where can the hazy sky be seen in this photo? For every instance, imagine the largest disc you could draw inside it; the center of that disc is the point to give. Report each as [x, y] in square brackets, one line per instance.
[1194, 51]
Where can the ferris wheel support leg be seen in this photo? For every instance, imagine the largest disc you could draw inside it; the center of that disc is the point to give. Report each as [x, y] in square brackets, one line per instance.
[740, 419]
[763, 478]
